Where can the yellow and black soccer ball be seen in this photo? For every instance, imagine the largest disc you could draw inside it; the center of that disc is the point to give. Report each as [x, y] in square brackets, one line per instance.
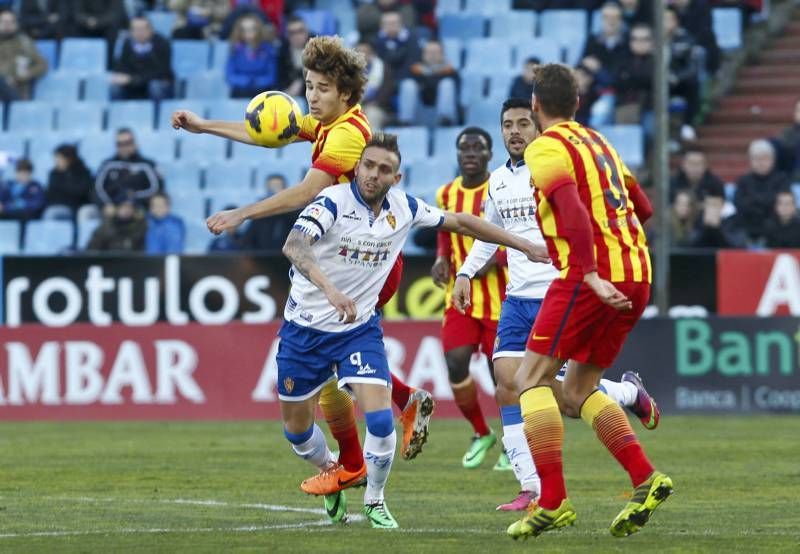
[273, 119]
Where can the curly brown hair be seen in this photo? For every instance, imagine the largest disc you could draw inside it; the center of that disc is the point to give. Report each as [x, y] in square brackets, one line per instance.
[346, 67]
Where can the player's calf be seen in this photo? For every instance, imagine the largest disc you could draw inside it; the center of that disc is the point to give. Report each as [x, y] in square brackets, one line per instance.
[379, 447]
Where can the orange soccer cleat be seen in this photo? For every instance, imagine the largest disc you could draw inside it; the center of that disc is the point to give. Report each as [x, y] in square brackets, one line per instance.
[415, 418]
[333, 480]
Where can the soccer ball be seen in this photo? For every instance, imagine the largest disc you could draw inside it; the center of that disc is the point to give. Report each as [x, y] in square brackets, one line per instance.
[273, 119]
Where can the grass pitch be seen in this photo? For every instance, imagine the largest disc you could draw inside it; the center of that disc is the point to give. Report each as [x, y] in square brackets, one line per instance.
[219, 487]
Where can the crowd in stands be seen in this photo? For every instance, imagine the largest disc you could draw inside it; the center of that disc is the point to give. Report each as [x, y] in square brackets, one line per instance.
[416, 77]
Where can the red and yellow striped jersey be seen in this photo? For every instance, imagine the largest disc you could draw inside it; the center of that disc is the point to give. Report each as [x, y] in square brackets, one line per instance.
[567, 154]
[338, 145]
[489, 291]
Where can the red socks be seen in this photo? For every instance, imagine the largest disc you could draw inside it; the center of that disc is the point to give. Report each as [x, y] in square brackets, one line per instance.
[466, 397]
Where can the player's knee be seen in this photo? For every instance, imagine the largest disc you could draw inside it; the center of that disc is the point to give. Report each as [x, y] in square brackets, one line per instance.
[380, 422]
[297, 436]
[572, 401]
[457, 365]
[506, 395]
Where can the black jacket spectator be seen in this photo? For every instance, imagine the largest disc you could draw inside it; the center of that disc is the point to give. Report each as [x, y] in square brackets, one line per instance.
[70, 182]
[708, 184]
[633, 81]
[790, 144]
[782, 235]
[43, 19]
[100, 18]
[755, 197]
[127, 174]
[146, 59]
[695, 17]
[637, 11]
[268, 234]
[290, 57]
[713, 231]
[522, 86]
[396, 45]
[610, 46]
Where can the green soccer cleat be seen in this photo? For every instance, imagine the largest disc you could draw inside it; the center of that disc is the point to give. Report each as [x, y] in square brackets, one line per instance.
[503, 463]
[539, 520]
[477, 451]
[646, 498]
[336, 507]
[379, 516]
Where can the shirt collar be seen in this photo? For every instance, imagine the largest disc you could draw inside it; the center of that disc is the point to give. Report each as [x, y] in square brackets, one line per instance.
[511, 167]
[344, 117]
[357, 194]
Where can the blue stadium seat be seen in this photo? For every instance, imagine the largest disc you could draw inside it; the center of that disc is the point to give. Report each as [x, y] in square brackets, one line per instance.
[596, 23]
[564, 26]
[84, 116]
[254, 155]
[219, 199]
[41, 147]
[189, 205]
[48, 48]
[483, 114]
[219, 54]
[10, 232]
[83, 55]
[444, 142]
[231, 109]
[727, 24]
[180, 176]
[335, 6]
[64, 87]
[517, 25]
[452, 51]
[796, 192]
[473, 84]
[489, 54]
[203, 149]
[209, 85]
[166, 107]
[319, 22]
[346, 22]
[426, 176]
[45, 237]
[14, 144]
[96, 148]
[447, 7]
[462, 26]
[190, 57]
[197, 236]
[500, 85]
[628, 140]
[230, 176]
[413, 142]
[296, 157]
[30, 117]
[137, 114]
[86, 229]
[573, 51]
[159, 146]
[546, 50]
[97, 88]
[162, 22]
[487, 8]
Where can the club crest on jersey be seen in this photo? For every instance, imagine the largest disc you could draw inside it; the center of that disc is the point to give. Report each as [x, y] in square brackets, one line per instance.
[391, 220]
[288, 384]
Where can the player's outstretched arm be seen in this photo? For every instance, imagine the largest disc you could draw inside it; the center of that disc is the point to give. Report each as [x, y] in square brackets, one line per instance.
[288, 200]
[469, 225]
[298, 250]
[190, 121]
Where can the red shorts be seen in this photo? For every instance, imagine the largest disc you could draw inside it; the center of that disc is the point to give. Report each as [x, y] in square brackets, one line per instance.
[463, 330]
[574, 324]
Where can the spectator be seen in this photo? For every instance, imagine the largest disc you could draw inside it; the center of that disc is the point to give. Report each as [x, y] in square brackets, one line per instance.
[684, 75]
[20, 62]
[70, 181]
[636, 11]
[199, 19]
[21, 198]
[695, 17]
[166, 233]
[252, 63]
[712, 230]
[683, 218]
[588, 94]
[144, 69]
[756, 191]
[46, 19]
[101, 19]
[790, 142]
[127, 174]
[522, 86]
[268, 234]
[633, 83]
[433, 84]
[609, 48]
[782, 230]
[694, 176]
[377, 99]
[368, 19]
[290, 60]
[123, 229]
[396, 45]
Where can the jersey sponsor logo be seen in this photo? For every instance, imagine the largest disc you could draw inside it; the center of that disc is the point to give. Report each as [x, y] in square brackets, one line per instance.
[352, 216]
[288, 384]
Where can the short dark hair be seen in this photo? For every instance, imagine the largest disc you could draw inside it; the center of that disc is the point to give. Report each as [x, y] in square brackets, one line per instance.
[295, 19]
[475, 131]
[556, 88]
[24, 164]
[533, 60]
[124, 130]
[387, 141]
[513, 103]
[275, 176]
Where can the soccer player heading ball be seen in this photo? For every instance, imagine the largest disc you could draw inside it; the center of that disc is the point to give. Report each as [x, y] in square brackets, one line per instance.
[590, 209]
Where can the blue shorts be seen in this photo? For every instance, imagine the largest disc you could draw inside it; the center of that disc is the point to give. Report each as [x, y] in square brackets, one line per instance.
[516, 321]
[308, 359]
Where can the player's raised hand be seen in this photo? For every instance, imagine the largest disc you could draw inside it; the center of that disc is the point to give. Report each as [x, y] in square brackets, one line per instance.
[440, 272]
[188, 120]
[461, 293]
[344, 306]
[536, 252]
[607, 292]
[226, 220]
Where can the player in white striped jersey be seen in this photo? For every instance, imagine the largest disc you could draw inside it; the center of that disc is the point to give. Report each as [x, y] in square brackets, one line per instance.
[342, 248]
[511, 204]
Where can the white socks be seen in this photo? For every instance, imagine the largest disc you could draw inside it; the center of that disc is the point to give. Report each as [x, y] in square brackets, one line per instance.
[516, 447]
[378, 455]
[623, 392]
[315, 449]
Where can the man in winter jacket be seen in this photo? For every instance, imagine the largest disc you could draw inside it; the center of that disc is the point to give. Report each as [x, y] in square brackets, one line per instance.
[144, 69]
